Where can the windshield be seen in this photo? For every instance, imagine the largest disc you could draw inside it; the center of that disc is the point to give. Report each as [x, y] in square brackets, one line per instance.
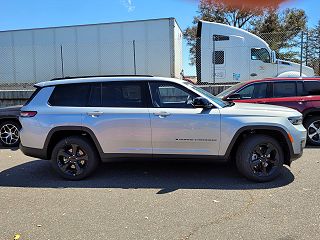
[229, 90]
[218, 101]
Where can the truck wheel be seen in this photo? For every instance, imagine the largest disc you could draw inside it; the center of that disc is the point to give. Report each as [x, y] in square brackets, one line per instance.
[74, 158]
[9, 133]
[260, 158]
[312, 125]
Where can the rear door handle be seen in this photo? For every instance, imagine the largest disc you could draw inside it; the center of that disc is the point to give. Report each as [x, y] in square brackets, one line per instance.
[162, 114]
[95, 113]
[253, 74]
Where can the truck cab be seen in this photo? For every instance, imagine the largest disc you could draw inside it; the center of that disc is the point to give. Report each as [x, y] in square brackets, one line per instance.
[229, 54]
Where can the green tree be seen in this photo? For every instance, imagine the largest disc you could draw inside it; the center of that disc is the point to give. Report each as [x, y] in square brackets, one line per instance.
[282, 30]
[312, 49]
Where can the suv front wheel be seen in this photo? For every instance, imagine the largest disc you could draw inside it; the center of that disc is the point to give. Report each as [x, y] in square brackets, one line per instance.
[74, 158]
[260, 158]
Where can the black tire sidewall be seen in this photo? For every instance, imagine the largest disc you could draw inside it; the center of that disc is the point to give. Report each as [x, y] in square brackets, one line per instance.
[17, 125]
[307, 123]
[93, 158]
[244, 152]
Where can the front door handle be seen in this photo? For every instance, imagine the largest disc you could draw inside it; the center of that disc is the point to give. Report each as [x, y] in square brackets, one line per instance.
[162, 114]
[95, 113]
[253, 74]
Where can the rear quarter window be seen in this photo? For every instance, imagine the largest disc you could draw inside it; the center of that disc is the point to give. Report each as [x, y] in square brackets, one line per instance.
[32, 96]
[70, 95]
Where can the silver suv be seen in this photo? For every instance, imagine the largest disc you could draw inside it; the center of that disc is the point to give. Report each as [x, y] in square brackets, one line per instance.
[79, 122]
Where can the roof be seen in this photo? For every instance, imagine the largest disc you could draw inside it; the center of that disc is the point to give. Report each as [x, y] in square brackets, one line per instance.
[93, 24]
[286, 79]
[103, 79]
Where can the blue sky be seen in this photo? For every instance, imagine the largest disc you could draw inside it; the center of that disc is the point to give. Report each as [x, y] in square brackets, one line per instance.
[19, 14]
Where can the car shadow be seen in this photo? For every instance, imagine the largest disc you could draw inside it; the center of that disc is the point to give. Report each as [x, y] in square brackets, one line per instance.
[11, 148]
[165, 175]
[312, 147]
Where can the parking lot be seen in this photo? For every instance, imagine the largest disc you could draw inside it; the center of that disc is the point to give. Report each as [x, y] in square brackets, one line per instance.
[158, 200]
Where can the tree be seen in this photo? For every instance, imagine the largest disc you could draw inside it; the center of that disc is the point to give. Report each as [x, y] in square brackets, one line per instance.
[312, 48]
[282, 30]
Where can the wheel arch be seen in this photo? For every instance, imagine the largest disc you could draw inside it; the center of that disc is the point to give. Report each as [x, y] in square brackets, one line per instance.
[10, 118]
[310, 113]
[276, 132]
[58, 133]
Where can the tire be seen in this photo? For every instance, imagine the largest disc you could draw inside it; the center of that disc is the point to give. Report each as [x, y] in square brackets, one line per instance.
[74, 158]
[252, 158]
[312, 125]
[9, 133]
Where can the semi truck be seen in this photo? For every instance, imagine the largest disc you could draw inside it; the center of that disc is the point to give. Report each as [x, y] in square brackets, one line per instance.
[229, 54]
[149, 47]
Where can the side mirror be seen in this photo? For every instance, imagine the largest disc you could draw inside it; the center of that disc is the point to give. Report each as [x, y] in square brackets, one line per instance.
[201, 102]
[234, 96]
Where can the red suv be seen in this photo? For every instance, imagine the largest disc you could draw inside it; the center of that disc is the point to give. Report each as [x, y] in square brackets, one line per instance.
[302, 94]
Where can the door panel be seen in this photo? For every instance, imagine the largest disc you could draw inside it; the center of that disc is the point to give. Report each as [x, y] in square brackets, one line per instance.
[120, 130]
[296, 103]
[185, 131]
[260, 64]
[119, 117]
[178, 127]
[285, 93]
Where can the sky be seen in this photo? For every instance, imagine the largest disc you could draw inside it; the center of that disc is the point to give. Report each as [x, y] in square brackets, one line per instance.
[22, 14]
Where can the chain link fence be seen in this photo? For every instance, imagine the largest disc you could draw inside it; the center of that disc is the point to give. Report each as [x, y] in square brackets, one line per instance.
[24, 65]
[224, 60]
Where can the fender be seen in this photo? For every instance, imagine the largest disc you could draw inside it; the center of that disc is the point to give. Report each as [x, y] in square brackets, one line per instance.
[72, 128]
[310, 111]
[259, 127]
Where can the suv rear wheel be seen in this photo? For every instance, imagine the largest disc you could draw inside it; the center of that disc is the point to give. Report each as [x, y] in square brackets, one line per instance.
[74, 158]
[260, 158]
[312, 125]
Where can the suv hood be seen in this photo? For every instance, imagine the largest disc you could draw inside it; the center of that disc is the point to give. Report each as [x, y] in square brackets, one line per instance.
[250, 109]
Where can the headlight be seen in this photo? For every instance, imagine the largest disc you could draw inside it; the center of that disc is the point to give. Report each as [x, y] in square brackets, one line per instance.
[295, 120]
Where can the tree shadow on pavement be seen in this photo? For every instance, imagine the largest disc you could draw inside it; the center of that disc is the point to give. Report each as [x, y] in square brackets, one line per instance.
[166, 175]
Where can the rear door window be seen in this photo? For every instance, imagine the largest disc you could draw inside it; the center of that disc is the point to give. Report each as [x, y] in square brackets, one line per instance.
[70, 95]
[312, 87]
[123, 94]
[284, 89]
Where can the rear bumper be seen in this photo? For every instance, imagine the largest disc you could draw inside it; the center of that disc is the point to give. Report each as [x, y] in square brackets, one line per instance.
[34, 152]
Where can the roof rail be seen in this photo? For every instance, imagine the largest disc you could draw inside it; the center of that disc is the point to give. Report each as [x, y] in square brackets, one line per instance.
[74, 77]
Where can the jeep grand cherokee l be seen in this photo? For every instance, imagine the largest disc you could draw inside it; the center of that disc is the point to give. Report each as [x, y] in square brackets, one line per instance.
[79, 122]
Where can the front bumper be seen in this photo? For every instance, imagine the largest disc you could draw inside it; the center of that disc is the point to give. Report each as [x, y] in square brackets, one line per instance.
[298, 155]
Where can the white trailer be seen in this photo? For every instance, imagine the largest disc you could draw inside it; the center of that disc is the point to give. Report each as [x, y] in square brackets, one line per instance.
[229, 54]
[149, 47]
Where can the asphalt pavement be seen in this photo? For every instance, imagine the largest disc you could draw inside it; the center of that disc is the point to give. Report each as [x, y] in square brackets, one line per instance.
[158, 200]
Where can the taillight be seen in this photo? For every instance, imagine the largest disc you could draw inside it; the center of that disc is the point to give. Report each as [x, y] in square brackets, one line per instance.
[28, 113]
